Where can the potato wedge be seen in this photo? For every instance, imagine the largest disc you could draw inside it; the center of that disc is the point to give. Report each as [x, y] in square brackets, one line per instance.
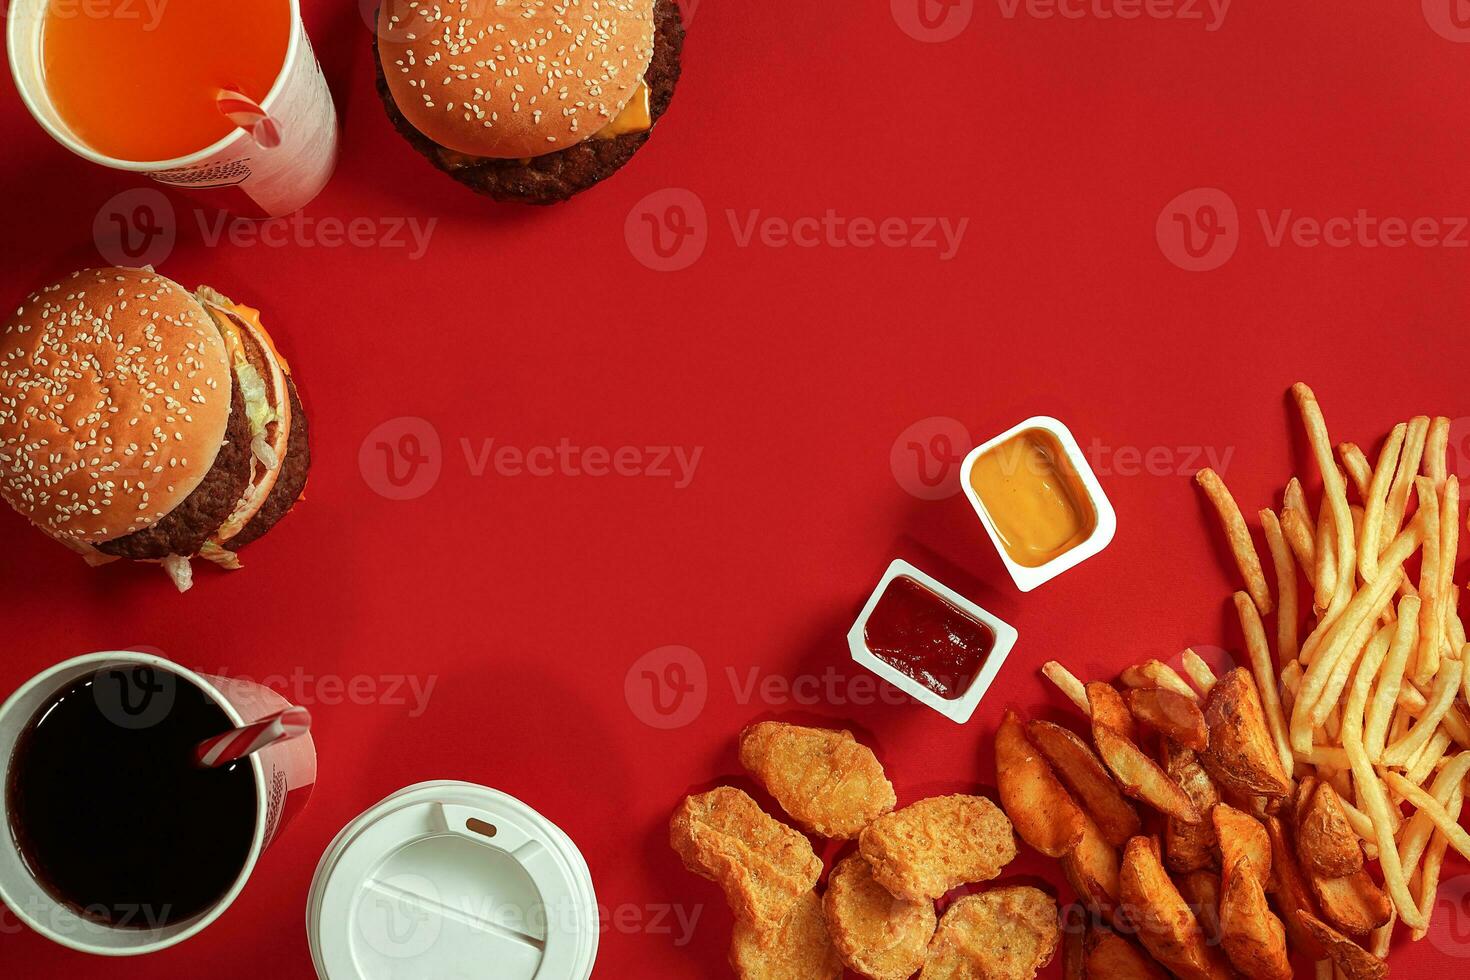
[1155, 673]
[1253, 937]
[1355, 962]
[1109, 708]
[1166, 926]
[1293, 893]
[1083, 773]
[1141, 778]
[1190, 846]
[1325, 840]
[1242, 838]
[1039, 806]
[1354, 904]
[1092, 869]
[1074, 955]
[1170, 714]
[1242, 755]
[1201, 889]
[1112, 957]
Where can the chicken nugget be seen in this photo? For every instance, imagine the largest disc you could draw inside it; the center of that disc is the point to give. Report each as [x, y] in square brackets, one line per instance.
[764, 866]
[828, 781]
[924, 850]
[799, 949]
[1002, 934]
[879, 936]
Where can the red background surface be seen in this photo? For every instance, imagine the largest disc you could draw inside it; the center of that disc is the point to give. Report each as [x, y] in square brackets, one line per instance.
[527, 599]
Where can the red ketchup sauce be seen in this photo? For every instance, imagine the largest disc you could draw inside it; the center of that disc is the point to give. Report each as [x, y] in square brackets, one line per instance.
[927, 638]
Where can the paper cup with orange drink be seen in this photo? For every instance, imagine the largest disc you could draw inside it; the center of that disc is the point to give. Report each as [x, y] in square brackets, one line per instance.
[226, 99]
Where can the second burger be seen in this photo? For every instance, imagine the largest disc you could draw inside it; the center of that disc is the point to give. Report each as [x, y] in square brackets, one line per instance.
[139, 420]
[527, 100]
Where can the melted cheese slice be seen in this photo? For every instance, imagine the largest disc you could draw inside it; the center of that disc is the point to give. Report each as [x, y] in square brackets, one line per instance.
[636, 117]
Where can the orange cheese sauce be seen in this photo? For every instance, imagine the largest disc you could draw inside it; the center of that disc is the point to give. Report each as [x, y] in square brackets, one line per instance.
[137, 80]
[1034, 497]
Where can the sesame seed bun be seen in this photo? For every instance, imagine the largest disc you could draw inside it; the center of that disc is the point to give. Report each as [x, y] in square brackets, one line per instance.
[115, 396]
[513, 79]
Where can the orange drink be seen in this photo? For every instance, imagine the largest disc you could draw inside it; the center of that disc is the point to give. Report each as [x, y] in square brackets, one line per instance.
[137, 80]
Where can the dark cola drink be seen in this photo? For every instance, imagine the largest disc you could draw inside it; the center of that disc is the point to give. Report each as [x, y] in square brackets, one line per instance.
[109, 810]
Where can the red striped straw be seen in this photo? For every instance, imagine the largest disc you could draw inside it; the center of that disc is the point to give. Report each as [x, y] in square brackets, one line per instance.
[223, 749]
[248, 114]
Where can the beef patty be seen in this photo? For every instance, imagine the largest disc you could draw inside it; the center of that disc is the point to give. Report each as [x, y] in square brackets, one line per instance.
[183, 530]
[554, 177]
[290, 482]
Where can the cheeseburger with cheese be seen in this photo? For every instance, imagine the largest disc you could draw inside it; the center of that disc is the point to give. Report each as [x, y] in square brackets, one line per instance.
[530, 101]
[139, 420]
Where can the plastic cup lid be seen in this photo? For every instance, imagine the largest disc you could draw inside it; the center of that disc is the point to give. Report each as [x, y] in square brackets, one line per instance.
[450, 879]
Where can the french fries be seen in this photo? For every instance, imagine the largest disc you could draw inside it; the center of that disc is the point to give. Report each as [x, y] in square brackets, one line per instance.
[1170, 714]
[1200, 673]
[1080, 770]
[1039, 806]
[1330, 770]
[1239, 538]
[1068, 684]
[1265, 675]
[1141, 778]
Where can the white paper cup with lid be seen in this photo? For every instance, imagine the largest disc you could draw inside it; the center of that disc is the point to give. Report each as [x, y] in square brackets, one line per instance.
[238, 173]
[450, 879]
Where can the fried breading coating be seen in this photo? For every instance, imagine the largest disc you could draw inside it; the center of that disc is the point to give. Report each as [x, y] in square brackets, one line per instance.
[1001, 934]
[828, 781]
[924, 850]
[879, 936]
[764, 866]
[799, 949]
